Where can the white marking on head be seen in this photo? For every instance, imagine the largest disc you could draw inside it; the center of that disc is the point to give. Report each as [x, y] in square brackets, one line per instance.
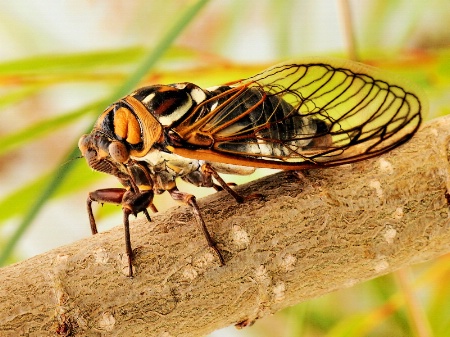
[147, 99]
[176, 114]
[198, 95]
[179, 85]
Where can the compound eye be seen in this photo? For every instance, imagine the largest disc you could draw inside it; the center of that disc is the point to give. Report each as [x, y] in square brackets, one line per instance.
[118, 152]
[83, 143]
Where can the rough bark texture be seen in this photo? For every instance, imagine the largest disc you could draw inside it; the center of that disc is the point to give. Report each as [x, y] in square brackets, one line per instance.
[328, 230]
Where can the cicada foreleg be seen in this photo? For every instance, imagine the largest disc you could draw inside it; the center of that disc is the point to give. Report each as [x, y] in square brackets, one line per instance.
[132, 203]
[190, 200]
[107, 195]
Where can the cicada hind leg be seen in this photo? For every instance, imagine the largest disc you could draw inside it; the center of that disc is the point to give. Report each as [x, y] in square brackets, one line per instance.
[202, 178]
[132, 203]
[190, 200]
[209, 171]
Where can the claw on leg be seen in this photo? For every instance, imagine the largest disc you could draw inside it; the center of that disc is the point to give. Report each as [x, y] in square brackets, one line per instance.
[147, 215]
[299, 174]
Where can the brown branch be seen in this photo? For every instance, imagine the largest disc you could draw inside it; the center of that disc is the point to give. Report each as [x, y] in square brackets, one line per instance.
[328, 230]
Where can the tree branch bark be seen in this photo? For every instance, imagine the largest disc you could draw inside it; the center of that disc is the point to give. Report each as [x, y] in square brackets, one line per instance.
[328, 230]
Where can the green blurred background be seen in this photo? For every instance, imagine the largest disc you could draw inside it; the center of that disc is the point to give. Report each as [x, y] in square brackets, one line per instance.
[63, 62]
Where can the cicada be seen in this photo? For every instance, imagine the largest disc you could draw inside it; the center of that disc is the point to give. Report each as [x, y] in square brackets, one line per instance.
[292, 116]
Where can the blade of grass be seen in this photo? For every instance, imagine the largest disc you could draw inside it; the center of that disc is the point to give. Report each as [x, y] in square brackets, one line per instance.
[349, 31]
[48, 64]
[142, 69]
[18, 95]
[75, 67]
[417, 318]
[14, 140]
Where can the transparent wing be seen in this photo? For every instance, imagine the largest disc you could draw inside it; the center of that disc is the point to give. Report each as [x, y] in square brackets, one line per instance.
[313, 113]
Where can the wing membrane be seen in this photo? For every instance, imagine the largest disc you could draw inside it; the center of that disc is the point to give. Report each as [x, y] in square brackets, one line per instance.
[297, 115]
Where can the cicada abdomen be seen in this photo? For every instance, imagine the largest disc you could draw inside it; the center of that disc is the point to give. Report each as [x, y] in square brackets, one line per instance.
[292, 116]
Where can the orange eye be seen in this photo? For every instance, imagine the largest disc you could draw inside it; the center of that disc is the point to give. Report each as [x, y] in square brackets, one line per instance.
[118, 152]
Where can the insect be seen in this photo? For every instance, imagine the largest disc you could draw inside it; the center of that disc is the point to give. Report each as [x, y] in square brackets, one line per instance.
[292, 116]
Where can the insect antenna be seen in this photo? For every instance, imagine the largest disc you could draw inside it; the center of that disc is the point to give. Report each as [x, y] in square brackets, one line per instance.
[70, 160]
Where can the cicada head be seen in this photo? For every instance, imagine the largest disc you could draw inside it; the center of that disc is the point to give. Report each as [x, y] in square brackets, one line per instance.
[103, 154]
[126, 128]
[132, 126]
